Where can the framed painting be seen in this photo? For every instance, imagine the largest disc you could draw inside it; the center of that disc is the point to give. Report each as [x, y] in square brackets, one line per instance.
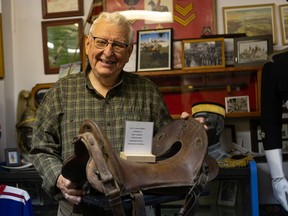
[154, 50]
[283, 11]
[203, 53]
[12, 157]
[188, 18]
[253, 20]
[62, 43]
[237, 104]
[62, 8]
[253, 50]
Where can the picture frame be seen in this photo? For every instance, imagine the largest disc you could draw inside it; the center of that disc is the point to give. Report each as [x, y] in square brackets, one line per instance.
[62, 8]
[203, 53]
[177, 54]
[154, 50]
[237, 104]
[253, 50]
[62, 43]
[228, 45]
[2, 69]
[283, 12]
[12, 157]
[189, 19]
[253, 20]
[227, 192]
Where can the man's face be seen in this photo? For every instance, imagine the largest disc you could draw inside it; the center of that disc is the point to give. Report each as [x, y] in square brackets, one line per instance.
[108, 61]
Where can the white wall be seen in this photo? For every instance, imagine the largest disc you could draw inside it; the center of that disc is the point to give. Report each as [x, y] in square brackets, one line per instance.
[24, 58]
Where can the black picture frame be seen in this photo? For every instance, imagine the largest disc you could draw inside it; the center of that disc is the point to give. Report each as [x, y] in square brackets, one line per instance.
[253, 50]
[12, 157]
[154, 49]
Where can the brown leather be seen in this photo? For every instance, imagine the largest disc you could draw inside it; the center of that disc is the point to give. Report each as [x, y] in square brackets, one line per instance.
[181, 161]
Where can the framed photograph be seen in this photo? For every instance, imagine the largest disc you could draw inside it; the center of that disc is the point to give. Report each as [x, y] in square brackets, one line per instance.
[154, 50]
[62, 43]
[203, 53]
[228, 45]
[62, 8]
[12, 157]
[227, 192]
[253, 50]
[283, 11]
[237, 104]
[189, 19]
[253, 20]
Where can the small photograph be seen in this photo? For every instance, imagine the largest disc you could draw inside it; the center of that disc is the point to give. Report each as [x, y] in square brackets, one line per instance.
[237, 104]
[227, 192]
[12, 157]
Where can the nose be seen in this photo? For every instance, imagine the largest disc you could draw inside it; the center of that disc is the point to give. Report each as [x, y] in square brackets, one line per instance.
[108, 50]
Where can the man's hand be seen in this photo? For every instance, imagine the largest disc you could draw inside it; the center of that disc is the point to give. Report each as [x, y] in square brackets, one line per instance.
[185, 115]
[280, 191]
[69, 190]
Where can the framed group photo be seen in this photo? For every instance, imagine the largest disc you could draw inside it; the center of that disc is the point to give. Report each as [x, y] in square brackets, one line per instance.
[62, 43]
[253, 20]
[203, 53]
[154, 50]
[253, 50]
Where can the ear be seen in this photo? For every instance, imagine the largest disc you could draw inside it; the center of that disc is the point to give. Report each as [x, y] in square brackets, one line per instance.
[86, 43]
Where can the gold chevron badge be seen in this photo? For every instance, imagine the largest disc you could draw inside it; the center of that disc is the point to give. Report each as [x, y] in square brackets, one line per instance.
[183, 10]
[185, 22]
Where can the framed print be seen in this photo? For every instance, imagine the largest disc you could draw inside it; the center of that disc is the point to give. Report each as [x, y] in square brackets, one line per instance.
[253, 20]
[203, 53]
[154, 50]
[283, 11]
[12, 157]
[228, 45]
[253, 50]
[62, 8]
[62, 43]
[188, 18]
[237, 104]
[227, 192]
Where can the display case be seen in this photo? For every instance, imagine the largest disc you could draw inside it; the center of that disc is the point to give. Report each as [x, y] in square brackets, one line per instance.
[183, 88]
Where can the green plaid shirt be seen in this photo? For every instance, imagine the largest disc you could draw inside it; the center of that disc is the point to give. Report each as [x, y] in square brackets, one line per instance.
[72, 100]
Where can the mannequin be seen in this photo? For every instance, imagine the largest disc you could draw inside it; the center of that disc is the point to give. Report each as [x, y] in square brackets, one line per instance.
[274, 97]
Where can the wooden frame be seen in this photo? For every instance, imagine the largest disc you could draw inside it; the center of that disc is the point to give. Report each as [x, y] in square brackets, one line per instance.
[203, 53]
[227, 192]
[237, 104]
[251, 19]
[62, 8]
[38, 92]
[12, 157]
[65, 43]
[283, 11]
[2, 69]
[253, 50]
[189, 19]
[154, 50]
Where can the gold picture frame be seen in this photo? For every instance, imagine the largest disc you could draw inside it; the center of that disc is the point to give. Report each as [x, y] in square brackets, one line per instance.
[254, 20]
[283, 12]
[62, 8]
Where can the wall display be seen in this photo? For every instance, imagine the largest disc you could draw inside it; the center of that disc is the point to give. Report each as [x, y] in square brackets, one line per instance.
[283, 11]
[228, 45]
[189, 18]
[12, 157]
[252, 50]
[203, 53]
[237, 104]
[62, 8]
[62, 43]
[1, 51]
[256, 136]
[253, 20]
[154, 49]
[227, 192]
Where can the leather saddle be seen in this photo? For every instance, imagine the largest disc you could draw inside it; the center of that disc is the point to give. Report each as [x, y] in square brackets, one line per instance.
[182, 166]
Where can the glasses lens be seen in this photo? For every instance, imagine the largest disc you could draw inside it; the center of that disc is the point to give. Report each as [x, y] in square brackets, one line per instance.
[100, 43]
[117, 46]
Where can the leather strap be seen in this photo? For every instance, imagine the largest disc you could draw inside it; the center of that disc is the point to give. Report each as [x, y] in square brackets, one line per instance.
[138, 204]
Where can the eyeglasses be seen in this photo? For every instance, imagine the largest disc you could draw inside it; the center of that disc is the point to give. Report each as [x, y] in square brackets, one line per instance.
[101, 43]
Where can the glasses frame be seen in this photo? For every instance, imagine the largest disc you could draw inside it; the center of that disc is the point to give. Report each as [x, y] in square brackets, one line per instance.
[117, 43]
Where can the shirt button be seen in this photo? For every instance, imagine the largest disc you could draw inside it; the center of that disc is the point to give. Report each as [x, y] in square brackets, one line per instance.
[108, 123]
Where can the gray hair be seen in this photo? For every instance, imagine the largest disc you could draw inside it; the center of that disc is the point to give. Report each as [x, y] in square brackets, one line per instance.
[117, 19]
